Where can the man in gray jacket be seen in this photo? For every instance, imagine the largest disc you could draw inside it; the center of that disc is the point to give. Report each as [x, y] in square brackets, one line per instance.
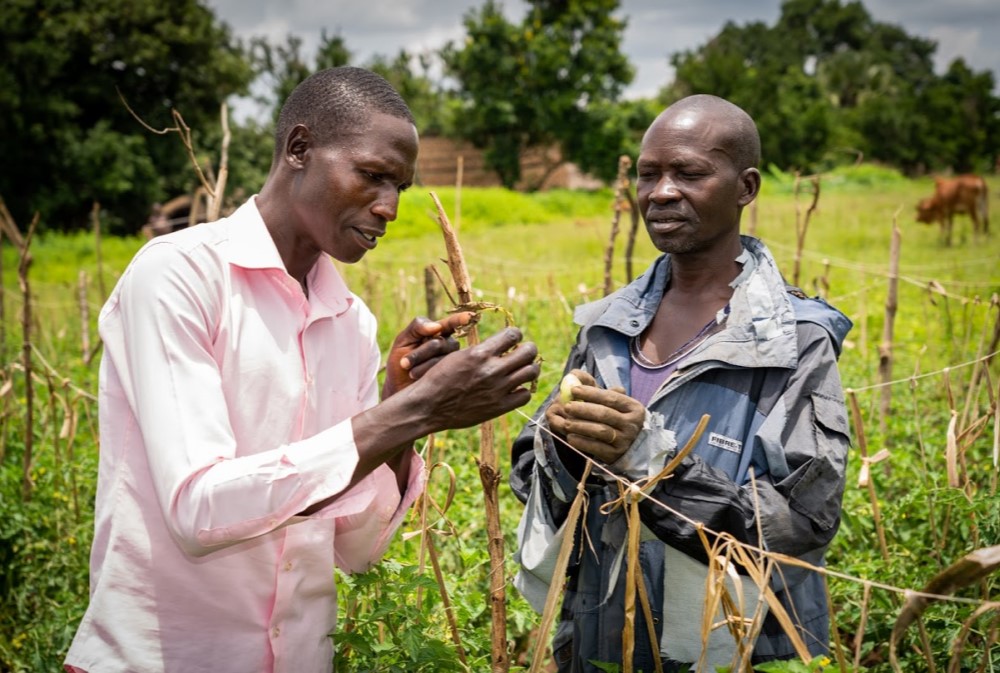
[710, 328]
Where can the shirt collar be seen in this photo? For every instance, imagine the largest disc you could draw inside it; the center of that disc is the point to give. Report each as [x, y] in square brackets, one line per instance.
[250, 243]
[251, 247]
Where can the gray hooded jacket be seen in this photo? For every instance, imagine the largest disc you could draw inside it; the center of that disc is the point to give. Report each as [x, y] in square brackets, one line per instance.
[768, 379]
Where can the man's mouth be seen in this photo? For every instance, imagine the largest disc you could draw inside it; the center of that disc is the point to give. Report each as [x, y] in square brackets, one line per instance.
[369, 238]
[665, 223]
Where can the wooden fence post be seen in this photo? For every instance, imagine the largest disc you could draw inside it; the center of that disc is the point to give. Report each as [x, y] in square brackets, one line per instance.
[885, 347]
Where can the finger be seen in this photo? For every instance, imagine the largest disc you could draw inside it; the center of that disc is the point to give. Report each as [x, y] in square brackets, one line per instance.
[420, 328]
[419, 370]
[585, 378]
[600, 432]
[417, 332]
[615, 399]
[427, 354]
[599, 450]
[555, 418]
[512, 400]
[519, 356]
[453, 321]
[596, 413]
[528, 372]
[502, 341]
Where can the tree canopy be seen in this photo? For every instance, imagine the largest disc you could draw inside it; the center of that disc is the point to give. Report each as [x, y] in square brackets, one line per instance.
[828, 80]
[66, 136]
[547, 80]
[826, 83]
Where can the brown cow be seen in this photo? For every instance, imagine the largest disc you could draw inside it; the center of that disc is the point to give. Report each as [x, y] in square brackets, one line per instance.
[961, 194]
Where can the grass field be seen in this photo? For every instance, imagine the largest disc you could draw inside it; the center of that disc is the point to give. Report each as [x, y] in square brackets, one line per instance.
[539, 256]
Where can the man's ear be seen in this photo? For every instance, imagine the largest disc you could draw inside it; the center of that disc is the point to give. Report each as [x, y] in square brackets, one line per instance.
[297, 144]
[749, 185]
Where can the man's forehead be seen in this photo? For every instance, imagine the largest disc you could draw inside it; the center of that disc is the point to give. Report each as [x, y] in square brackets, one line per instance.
[688, 131]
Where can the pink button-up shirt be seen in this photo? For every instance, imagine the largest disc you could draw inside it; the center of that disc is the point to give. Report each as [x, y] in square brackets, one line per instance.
[225, 406]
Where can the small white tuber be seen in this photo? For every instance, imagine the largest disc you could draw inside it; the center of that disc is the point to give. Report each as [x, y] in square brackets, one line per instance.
[566, 387]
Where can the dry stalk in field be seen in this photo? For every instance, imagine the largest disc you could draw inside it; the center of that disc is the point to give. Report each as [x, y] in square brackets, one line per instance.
[24, 245]
[427, 548]
[633, 211]
[489, 473]
[802, 224]
[634, 582]
[81, 298]
[621, 188]
[859, 431]
[213, 188]
[885, 347]
[430, 291]
[95, 217]
[968, 570]
[459, 173]
[562, 562]
[859, 636]
[822, 283]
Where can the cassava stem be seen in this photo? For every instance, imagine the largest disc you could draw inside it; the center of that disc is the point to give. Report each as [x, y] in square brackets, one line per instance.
[489, 474]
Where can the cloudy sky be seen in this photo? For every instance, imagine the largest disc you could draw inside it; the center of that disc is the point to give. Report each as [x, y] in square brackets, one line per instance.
[656, 28]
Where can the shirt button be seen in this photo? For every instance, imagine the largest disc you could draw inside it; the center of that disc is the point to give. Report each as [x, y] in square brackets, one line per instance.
[633, 323]
[275, 632]
[288, 566]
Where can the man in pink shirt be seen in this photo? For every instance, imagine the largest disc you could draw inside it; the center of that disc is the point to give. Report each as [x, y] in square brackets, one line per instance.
[244, 449]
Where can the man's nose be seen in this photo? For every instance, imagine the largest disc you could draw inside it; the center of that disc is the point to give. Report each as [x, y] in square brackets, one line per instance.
[665, 190]
[387, 206]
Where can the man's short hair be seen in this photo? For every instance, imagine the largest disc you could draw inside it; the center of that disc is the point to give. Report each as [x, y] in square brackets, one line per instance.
[338, 100]
[741, 136]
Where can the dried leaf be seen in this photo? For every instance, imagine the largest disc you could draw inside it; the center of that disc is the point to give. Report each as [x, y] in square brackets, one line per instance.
[970, 569]
[951, 451]
[562, 562]
[67, 425]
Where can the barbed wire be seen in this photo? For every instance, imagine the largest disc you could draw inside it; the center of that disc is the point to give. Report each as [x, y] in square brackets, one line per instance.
[915, 377]
[882, 271]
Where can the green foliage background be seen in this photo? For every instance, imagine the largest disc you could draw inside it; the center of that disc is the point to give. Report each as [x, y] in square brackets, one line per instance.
[540, 255]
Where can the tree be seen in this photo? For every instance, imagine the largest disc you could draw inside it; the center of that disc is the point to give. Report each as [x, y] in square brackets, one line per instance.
[829, 80]
[281, 67]
[546, 81]
[65, 135]
[427, 101]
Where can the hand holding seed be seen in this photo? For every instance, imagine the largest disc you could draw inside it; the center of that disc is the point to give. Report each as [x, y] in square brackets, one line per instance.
[480, 382]
[419, 347]
[602, 423]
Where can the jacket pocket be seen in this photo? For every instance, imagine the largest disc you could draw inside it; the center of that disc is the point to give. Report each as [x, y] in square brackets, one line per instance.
[819, 491]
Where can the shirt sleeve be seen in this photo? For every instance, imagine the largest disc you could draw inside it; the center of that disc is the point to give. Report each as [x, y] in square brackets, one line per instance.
[158, 331]
[363, 537]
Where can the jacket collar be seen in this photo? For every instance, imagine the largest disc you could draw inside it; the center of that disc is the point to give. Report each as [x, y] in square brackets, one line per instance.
[759, 331]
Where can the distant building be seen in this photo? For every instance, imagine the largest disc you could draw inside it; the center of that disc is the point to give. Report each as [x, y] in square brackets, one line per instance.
[438, 160]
